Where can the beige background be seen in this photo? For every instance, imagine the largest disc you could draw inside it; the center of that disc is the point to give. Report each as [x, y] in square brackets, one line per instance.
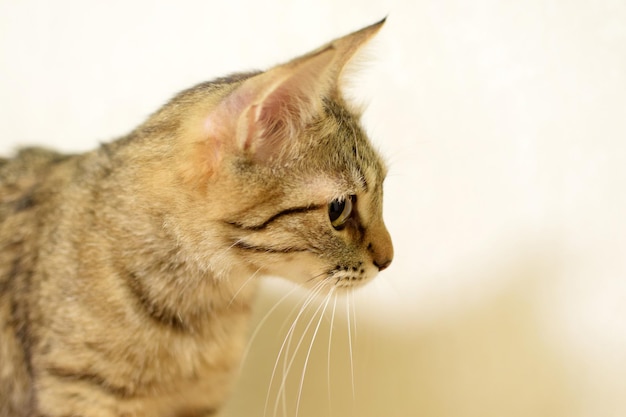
[504, 126]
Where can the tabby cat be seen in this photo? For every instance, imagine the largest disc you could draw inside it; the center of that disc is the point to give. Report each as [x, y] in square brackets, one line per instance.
[127, 273]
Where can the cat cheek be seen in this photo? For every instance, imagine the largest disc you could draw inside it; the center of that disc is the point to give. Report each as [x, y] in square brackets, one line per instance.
[299, 270]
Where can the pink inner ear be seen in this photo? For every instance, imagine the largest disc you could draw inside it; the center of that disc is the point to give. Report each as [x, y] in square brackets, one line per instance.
[278, 120]
[274, 123]
[247, 128]
[263, 115]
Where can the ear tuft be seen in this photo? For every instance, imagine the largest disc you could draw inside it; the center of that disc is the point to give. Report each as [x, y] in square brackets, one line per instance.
[348, 46]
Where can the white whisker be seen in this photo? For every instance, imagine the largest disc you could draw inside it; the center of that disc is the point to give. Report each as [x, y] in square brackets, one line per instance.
[308, 353]
[262, 322]
[282, 393]
[287, 364]
[282, 349]
[350, 347]
[220, 255]
[310, 296]
[217, 258]
[242, 286]
[330, 338]
[317, 276]
[352, 298]
[316, 291]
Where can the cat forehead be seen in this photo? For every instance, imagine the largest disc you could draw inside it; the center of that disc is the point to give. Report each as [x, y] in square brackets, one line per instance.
[340, 161]
[350, 148]
[327, 187]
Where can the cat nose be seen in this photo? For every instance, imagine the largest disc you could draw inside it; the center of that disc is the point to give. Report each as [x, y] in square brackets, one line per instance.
[382, 266]
[381, 248]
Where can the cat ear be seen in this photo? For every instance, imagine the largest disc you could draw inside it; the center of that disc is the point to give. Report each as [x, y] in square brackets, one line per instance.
[263, 114]
[265, 111]
[348, 46]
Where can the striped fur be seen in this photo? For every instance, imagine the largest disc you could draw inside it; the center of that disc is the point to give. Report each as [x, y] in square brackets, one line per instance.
[124, 272]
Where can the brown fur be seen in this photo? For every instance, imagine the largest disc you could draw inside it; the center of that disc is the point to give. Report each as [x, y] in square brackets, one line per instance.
[127, 273]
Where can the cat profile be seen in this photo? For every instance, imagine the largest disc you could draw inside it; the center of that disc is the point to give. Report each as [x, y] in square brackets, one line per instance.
[127, 273]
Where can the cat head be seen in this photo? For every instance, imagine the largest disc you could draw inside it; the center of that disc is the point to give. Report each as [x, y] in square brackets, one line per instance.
[282, 168]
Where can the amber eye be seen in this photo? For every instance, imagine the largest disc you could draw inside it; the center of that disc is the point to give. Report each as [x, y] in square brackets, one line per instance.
[339, 211]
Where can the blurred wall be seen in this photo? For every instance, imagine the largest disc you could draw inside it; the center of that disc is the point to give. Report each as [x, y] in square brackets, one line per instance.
[504, 127]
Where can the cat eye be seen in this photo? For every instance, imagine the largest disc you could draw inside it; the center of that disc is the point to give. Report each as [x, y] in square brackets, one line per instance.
[339, 211]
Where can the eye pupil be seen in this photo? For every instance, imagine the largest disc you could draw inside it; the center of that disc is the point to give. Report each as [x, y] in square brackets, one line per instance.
[335, 209]
[339, 211]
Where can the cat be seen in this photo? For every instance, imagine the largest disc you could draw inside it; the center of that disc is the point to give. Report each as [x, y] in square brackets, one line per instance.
[127, 273]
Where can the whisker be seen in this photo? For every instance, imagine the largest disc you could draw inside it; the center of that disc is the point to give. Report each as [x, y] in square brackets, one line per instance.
[262, 322]
[220, 255]
[242, 286]
[330, 338]
[308, 353]
[311, 295]
[298, 305]
[286, 369]
[282, 348]
[353, 299]
[350, 347]
[318, 275]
